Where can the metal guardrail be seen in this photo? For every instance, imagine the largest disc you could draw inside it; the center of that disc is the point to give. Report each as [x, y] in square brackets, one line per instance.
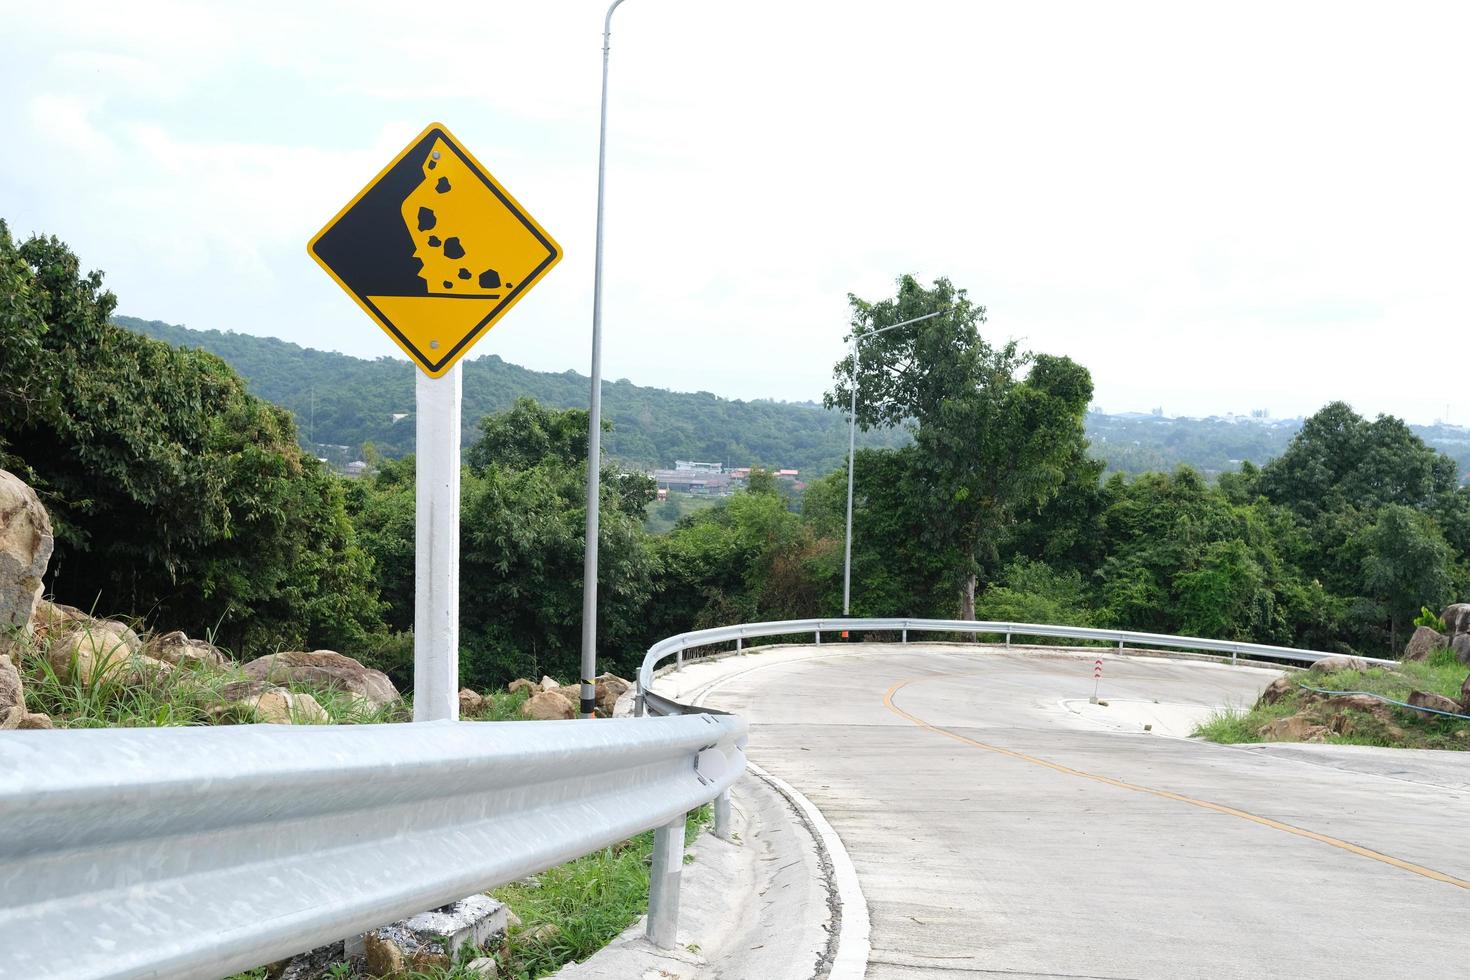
[197, 852]
[675, 646]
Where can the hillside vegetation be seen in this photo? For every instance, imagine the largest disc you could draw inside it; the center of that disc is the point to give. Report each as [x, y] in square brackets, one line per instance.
[347, 401]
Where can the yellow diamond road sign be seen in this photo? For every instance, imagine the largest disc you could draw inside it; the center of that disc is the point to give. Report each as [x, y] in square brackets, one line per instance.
[435, 250]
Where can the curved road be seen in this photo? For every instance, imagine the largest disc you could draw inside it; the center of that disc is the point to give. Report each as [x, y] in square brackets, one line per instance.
[1000, 827]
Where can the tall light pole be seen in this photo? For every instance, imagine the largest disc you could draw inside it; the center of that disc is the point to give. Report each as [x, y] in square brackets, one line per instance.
[594, 421]
[852, 449]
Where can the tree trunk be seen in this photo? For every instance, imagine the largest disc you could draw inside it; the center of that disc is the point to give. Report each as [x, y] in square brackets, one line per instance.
[967, 599]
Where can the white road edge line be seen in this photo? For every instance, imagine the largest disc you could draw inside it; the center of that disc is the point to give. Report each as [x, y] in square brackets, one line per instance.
[850, 962]
[854, 931]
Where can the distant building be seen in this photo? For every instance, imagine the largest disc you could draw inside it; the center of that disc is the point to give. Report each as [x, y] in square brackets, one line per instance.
[711, 479]
[355, 469]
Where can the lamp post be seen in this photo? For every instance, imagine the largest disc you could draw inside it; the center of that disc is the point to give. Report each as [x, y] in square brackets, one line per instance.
[852, 449]
[594, 421]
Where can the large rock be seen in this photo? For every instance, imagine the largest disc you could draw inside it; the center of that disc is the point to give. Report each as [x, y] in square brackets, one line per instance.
[1457, 618]
[1298, 728]
[52, 618]
[98, 651]
[18, 717]
[264, 702]
[177, 649]
[548, 706]
[25, 548]
[470, 702]
[1465, 696]
[610, 687]
[325, 669]
[1329, 665]
[521, 684]
[573, 694]
[1425, 641]
[1278, 689]
[1461, 645]
[12, 691]
[1435, 702]
[549, 683]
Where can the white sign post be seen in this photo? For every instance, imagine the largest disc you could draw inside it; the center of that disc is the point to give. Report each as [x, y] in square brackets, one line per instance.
[435, 250]
[436, 547]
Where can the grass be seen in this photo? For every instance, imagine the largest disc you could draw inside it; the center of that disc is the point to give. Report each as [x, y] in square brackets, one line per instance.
[189, 695]
[1442, 673]
[586, 902]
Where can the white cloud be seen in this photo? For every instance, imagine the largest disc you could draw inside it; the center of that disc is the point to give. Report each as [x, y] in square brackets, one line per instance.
[1213, 208]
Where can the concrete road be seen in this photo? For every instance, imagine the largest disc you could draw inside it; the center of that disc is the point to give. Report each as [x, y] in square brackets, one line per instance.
[998, 831]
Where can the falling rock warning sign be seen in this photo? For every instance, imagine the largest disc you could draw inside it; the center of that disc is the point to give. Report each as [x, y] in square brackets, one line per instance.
[435, 250]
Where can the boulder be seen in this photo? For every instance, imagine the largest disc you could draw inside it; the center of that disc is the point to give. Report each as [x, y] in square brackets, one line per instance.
[1460, 643]
[1329, 664]
[548, 683]
[1465, 696]
[548, 706]
[17, 717]
[1278, 689]
[97, 651]
[177, 649]
[521, 684]
[12, 691]
[470, 702]
[1457, 618]
[268, 704]
[1425, 641]
[1435, 702]
[1298, 728]
[573, 694]
[325, 669]
[51, 618]
[610, 687]
[25, 549]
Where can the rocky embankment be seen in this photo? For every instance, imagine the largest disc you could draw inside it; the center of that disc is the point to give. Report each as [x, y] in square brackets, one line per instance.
[61, 666]
[1353, 715]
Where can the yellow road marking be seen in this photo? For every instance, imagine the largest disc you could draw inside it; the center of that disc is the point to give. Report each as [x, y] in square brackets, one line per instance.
[1231, 811]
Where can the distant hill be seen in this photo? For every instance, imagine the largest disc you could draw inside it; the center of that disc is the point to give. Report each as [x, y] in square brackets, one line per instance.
[342, 402]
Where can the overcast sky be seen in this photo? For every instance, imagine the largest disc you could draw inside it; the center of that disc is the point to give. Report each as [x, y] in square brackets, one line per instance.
[1215, 208]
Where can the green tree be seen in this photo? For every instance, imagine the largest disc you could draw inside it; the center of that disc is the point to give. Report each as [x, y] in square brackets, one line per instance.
[993, 443]
[1406, 564]
[1339, 459]
[174, 494]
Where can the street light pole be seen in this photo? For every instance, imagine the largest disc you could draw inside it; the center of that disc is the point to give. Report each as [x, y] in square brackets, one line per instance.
[594, 421]
[852, 449]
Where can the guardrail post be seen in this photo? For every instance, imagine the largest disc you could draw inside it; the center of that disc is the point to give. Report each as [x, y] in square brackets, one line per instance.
[740, 645]
[678, 659]
[1008, 641]
[905, 635]
[818, 635]
[722, 815]
[1120, 646]
[663, 883]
